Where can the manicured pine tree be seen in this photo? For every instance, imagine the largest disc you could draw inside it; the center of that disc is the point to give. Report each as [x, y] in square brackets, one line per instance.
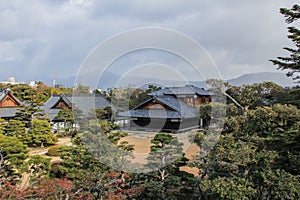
[40, 133]
[17, 129]
[165, 151]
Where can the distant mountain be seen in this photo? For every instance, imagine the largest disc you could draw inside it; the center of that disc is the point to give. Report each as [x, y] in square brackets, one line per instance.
[109, 79]
[275, 77]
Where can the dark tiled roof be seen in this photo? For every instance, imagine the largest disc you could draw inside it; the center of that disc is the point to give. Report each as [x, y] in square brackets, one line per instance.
[177, 105]
[185, 90]
[83, 102]
[51, 102]
[48, 106]
[179, 109]
[8, 112]
[89, 101]
[151, 114]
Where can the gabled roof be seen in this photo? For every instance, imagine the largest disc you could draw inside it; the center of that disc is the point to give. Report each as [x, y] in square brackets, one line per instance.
[64, 99]
[83, 102]
[185, 90]
[8, 112]
[179, 109]
[5, 92]
[55, 99]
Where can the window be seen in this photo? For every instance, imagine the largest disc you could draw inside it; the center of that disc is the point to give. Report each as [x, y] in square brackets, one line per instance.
[202, 99]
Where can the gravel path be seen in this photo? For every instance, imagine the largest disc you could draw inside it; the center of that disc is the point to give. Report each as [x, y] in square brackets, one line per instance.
[142, 145]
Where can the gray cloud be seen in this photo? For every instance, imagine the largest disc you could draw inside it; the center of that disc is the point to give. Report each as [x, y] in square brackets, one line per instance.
[42, 38]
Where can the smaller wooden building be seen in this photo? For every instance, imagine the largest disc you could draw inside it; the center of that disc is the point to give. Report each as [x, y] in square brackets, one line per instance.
[82, 103]
[9, 104]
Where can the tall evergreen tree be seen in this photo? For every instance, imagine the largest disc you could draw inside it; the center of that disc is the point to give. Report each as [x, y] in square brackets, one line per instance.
[291, 63]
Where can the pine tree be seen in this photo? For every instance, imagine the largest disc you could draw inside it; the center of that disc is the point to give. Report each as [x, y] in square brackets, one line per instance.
[291, 63]
[41, 133]
[16, 128]
[2, 126]
[27, 113]
[165, 151]
[13, 151]
[67, 117]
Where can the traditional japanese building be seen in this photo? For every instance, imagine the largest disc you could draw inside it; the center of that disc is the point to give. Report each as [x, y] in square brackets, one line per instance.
[171, 109]
[189, 94]
[83, 103]
[9, 104]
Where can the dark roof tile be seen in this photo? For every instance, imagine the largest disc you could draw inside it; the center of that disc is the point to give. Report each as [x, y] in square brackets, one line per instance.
[83, 102]
[179, 109]
[8, 112]
[185, 90]
[151, 114]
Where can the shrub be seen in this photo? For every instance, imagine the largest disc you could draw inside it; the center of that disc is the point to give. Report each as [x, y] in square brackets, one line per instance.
[53, 151]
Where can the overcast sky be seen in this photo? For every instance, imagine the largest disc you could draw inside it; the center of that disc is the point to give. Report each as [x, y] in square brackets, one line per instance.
[41, 38]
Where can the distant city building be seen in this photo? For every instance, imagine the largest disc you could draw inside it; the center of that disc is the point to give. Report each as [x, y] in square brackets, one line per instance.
[59, 86]
[11, 81]
[32, 84]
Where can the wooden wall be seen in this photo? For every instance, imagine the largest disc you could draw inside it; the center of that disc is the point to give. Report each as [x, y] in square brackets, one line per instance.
[194, 102]
[8, 102]
[155, 105]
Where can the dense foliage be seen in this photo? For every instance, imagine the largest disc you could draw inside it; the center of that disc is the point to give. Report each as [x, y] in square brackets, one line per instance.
[38, 94]
[256, 157]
